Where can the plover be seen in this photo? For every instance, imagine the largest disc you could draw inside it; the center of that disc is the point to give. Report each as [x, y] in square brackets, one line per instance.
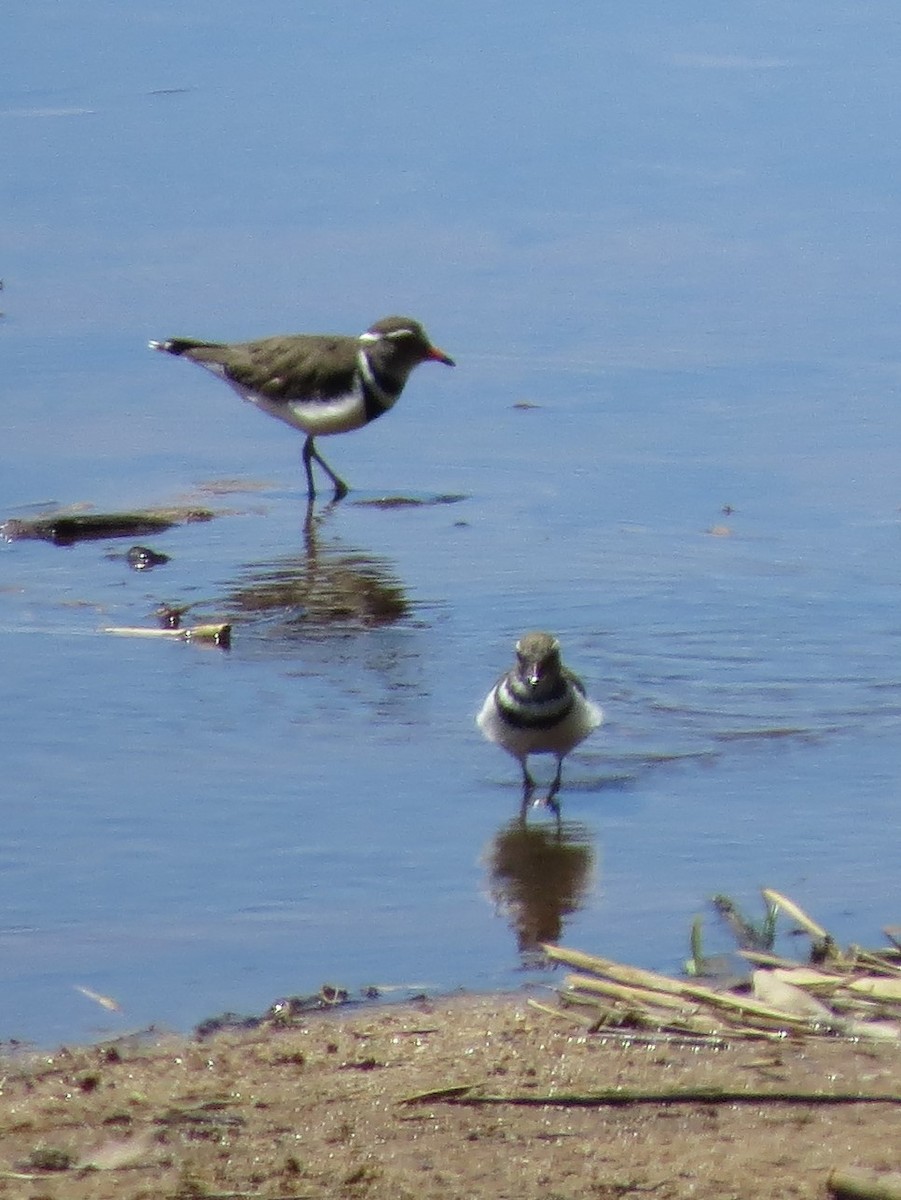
[538, 707]
[319, 383]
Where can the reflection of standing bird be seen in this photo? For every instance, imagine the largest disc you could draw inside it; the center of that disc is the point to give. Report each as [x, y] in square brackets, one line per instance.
[538, 876]
[538, 707]
[319, 383]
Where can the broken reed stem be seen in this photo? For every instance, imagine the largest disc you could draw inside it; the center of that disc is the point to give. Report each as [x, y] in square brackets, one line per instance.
[630, 976]
[877, 963]
[817, 932]
[631, 995]
[850, 993]
[647, 1028]
[760, 959]
[735, 1007]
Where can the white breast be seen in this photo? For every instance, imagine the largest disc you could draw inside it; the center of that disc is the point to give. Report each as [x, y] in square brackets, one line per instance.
[558, 739]
[317, 417]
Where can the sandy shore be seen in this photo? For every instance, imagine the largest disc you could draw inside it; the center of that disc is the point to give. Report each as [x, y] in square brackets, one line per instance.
[335, 1106]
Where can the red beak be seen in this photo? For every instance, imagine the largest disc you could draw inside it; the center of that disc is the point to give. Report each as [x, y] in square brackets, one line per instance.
[436, 355]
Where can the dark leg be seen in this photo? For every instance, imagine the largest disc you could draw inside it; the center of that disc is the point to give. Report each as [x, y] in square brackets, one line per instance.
[552, 802]
[310, 452]
[309, 529]
[528, 787]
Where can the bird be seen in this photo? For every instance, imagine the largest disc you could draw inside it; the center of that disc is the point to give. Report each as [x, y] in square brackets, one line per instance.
[318, 383]
[538, 707]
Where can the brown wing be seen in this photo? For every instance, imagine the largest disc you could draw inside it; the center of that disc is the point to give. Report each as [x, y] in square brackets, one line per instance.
[296, 367]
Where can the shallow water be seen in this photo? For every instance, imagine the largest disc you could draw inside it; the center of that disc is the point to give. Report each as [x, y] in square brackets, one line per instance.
[655, 245]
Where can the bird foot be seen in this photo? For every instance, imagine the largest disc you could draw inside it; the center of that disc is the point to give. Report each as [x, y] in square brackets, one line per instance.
[549, 801]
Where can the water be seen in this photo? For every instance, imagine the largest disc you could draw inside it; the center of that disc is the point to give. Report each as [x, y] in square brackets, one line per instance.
[677, 239]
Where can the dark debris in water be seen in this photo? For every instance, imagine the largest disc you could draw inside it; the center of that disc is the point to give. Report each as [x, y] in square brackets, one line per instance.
[139, 558]
[410, 501]
[229, 487]
[169, 616]
[767, 734]
[64, 529]
[143, 558]
[284, 1012]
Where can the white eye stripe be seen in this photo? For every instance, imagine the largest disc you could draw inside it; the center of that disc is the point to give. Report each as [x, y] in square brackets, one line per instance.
[374, 335]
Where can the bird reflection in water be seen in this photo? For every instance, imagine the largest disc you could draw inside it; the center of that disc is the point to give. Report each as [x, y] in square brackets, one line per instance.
[325, 587]
[538, 876]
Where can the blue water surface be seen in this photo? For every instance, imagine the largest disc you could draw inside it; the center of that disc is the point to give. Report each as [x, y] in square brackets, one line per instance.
[663, 246]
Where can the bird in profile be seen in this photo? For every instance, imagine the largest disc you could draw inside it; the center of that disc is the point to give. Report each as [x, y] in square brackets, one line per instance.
[319, 383]
[538, 707]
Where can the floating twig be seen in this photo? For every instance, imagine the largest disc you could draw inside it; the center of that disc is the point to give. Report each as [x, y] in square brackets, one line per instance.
[219, 634]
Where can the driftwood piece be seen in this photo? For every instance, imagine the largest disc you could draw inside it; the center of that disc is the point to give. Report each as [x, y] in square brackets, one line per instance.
[855, 1183]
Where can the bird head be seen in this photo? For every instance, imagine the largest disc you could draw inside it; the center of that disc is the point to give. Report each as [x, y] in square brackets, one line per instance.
[538, 660]
[403, 343]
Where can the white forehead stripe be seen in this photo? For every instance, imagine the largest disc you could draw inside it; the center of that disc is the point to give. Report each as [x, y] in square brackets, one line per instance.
[369, 336]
